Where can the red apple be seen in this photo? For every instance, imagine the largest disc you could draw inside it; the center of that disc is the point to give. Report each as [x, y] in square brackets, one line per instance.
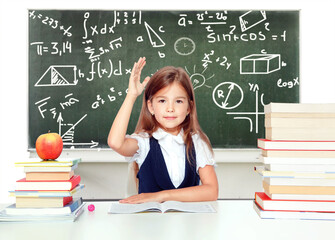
[49, 146]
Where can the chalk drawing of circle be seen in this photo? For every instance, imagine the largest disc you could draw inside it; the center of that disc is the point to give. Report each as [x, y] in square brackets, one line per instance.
[226, 91]
[197, 80]
[184, 46]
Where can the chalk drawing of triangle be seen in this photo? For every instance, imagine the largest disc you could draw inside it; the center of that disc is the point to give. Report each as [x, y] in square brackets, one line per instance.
[57, 78]
[154, 38]
[52, 77]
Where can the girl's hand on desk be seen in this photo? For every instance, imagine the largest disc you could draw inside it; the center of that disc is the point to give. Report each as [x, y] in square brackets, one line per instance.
[144, 197]
[135, 87]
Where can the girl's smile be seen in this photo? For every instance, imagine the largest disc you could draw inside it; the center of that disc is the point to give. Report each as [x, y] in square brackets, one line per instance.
[170, 118]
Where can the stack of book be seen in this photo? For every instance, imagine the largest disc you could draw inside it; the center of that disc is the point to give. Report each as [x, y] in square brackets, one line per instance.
[298, 157]
[47, 191]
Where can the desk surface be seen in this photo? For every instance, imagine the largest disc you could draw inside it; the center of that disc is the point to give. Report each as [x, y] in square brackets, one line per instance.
[233, 220]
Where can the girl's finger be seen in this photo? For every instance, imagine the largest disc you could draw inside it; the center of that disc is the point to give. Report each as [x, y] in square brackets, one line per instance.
[133, 70]
[136, 70]
[140, 71]
[143, 62]
[139, 65]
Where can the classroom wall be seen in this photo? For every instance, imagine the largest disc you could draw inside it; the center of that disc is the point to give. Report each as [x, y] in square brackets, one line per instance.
[317, 82]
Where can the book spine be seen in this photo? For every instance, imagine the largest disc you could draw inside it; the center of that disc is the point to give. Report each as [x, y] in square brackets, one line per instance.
[75, 182]
[75, 204]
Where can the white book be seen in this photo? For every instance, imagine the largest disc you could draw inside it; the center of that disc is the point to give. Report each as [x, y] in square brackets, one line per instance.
[329, 115]
[289, 181]
[292, 174]
[4, 217]
[294, 161]
[46, 194]
[300, 134]
[300, 107]
[67, 209]
[168, 206]
[313, 197]
[276, 122]
[267, 203]
[293, 215]
[313, 168]
[298, 154]
[295, 145]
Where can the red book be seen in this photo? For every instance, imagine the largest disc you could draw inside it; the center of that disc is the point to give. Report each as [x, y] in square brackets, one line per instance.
[67, 185]
[267, 203]
[266, 144]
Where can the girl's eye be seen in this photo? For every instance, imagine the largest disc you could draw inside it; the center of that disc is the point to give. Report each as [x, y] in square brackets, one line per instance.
[161, 101]
[179, 101]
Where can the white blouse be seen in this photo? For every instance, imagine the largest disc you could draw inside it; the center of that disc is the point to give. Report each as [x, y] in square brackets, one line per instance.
[173, 149]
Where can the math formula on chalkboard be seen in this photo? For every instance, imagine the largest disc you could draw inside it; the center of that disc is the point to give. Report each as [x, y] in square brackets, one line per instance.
[238, 61]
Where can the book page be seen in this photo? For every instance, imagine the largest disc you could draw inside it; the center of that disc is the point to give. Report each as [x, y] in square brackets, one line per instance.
[134, 208]
[195, 207]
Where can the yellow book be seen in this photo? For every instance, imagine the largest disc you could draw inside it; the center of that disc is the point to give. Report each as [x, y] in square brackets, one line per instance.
[37, 162]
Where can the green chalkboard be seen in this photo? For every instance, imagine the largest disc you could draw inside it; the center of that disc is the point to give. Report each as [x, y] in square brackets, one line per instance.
[80, 62]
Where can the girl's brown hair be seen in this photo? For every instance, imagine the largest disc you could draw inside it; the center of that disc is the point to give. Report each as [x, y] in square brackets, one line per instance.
[161, 79]
[147, 122]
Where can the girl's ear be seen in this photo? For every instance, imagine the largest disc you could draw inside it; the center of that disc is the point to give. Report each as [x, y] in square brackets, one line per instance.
[190, 105]
[150, 107]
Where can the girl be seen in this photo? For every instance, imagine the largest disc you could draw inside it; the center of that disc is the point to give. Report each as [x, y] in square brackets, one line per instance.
[168, 146]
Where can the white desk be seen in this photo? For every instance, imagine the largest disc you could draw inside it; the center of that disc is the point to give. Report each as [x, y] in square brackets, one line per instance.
[233, 220]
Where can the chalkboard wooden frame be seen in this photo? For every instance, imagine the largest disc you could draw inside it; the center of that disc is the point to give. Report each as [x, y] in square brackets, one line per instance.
[79, 63]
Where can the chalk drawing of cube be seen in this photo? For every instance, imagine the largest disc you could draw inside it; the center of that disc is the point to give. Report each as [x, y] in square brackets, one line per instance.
[260, 64]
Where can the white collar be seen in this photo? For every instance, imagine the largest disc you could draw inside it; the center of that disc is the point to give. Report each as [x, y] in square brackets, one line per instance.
[161, 134]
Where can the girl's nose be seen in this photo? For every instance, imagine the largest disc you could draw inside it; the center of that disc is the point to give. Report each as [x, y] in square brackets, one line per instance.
[170, 108]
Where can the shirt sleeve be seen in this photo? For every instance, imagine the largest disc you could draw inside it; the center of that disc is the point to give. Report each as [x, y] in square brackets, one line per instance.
[203, 154]
[143, 148]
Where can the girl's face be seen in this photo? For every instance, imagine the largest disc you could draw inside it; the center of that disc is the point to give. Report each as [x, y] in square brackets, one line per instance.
[170, 107]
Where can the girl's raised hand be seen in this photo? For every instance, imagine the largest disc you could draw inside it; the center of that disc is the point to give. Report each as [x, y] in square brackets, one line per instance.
[135, 87]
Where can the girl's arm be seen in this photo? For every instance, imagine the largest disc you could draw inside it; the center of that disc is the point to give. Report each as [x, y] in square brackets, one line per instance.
[117, 135]
[208, 191]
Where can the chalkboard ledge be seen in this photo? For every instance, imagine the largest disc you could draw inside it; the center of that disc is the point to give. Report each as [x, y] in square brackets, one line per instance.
[107, 155]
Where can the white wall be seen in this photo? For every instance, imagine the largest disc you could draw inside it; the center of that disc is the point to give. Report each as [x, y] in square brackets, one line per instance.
[317, 60]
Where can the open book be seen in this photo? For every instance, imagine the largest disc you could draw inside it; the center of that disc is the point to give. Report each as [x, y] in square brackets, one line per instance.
[168, 206]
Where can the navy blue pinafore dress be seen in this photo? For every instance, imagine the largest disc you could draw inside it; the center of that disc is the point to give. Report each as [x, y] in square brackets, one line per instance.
[153, 175]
